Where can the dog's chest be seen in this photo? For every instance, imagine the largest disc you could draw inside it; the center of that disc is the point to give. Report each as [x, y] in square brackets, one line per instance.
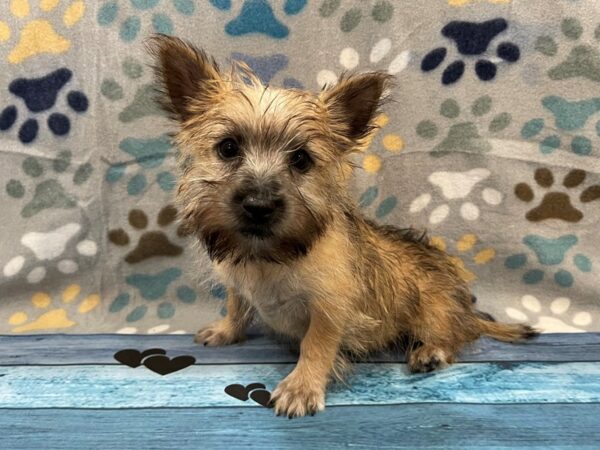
[277, 295]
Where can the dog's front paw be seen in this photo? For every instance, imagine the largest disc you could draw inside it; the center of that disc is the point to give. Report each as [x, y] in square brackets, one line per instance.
[217, 334]
[296, 397]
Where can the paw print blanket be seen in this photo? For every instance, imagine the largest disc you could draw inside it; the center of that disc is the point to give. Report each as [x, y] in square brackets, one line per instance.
[492, 144]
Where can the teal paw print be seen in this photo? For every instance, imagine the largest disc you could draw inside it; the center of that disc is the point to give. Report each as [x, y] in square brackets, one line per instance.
[464, 135]
[148, 155]
[381, 11]
[152, 288]
[49, 183]
[258, 16]
[583, 60]
[549, 252]
[130, 18]
[568, 116]
[142, 104]
[384, 207]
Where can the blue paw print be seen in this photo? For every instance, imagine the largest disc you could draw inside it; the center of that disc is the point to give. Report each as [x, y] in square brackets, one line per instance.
[471, 39]
[549, 252]
[385, 207]
[152, 287]
[131, 25]
[147, 154]
[257, 16]
[568, 116]
[40, 95]
[267, 67]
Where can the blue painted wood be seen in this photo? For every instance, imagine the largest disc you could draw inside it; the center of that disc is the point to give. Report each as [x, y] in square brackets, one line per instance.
[202, 386]
[99, 349]
[543, 426]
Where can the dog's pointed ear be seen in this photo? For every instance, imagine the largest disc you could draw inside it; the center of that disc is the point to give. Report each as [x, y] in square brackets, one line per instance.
[185, 74]
[354, 101]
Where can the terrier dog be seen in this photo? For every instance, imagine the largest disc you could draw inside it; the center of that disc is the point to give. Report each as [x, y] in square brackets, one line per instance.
[263, 186]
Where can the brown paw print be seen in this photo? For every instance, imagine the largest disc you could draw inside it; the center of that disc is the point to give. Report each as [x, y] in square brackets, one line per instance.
[554, 204]
[151, 243]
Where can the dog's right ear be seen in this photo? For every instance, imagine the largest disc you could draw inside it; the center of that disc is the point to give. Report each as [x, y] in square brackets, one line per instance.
[187, 77]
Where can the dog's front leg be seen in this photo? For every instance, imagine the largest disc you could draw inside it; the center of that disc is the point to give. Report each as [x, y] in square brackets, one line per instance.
[232, 327]
[303, 390]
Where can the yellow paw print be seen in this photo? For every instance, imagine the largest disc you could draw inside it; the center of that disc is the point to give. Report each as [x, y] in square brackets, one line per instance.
[467, 2]
[37, 35]
[391, 142]
[58, 317]
[466, 243]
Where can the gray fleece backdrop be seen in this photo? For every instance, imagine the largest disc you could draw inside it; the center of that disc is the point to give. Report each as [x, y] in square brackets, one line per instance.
[492, 143]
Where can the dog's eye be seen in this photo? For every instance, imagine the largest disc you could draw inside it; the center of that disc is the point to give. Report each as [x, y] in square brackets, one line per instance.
[228, 149]
[301, 160]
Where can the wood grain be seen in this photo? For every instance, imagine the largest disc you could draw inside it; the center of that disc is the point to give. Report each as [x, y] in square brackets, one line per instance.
[99, 349]
[97, 386]
[540, 426]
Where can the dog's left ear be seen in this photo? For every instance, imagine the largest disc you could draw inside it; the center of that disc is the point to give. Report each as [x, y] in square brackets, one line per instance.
[353, 102]
[186, 75]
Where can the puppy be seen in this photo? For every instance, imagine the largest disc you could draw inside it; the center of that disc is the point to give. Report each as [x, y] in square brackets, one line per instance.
[263, 186]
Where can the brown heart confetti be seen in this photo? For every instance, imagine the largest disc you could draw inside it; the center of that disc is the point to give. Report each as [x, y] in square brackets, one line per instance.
[163, 365]
[256, 391]
[133, 358]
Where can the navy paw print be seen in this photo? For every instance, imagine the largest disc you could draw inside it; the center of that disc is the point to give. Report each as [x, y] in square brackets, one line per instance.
[471, 39]
[257, 16]
[40, 95]
[266, 68]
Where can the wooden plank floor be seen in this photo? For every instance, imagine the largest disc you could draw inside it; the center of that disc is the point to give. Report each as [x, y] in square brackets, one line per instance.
[69, 391]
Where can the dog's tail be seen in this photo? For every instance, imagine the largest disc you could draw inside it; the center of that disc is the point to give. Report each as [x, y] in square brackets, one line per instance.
[504, 332]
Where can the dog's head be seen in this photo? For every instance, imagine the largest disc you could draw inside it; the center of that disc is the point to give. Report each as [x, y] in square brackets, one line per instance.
[264, 170]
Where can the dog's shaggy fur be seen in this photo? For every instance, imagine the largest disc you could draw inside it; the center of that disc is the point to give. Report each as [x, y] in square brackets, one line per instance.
[319, 272]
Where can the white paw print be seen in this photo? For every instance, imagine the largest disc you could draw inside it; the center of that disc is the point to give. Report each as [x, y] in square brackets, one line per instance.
[456, 186]
[560, 318]
[49, 247]
[350, 59]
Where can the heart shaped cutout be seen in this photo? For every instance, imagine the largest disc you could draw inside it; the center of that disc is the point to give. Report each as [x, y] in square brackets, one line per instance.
[133, 358]
[262, 397]
[237, 391]
[252, 386]
[255, 391]
[153, 351]
[163, 365]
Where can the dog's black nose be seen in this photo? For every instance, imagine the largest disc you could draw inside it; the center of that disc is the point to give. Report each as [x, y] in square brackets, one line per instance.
[259, 210]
